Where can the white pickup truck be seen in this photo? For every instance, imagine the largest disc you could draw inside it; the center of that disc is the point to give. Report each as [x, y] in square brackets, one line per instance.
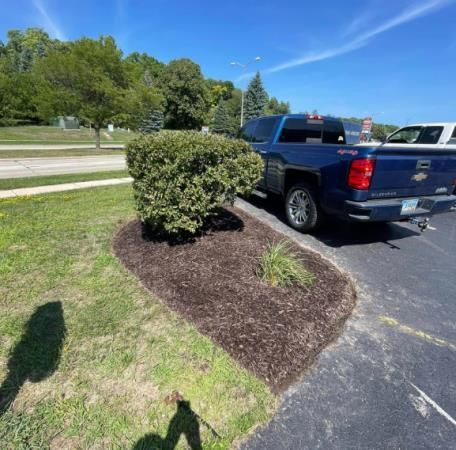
[429, 135]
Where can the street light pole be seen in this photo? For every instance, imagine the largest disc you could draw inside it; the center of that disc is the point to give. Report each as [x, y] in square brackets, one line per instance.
[242, 107]
[243, 70]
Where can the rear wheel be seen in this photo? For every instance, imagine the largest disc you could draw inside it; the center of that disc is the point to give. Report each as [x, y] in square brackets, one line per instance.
[301, 208]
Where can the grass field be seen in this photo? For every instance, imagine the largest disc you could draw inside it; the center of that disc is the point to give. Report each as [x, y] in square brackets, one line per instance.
[90, 359]
[11, 154]
[51, 135]
[16, 183]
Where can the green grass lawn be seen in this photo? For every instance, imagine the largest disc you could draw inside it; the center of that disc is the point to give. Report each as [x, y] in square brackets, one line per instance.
[16, 183]
[92, 355]
[52, 135]
[58, 153]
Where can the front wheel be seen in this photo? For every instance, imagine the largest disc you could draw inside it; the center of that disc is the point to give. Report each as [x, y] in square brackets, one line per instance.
[301, 208]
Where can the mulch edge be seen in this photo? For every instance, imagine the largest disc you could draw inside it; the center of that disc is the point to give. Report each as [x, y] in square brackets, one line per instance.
[350, 293]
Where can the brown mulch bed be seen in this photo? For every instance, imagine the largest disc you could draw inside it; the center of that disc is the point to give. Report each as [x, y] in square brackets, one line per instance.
[274, 332]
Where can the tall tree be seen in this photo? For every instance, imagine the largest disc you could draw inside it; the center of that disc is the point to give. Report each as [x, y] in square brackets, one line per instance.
[219, 90]
[24, 47]
[89, 81]
[186, 95]
[256, 99]
[276, 107]
[142, 63]
[16, 95]
[221, 123]
[233, 106]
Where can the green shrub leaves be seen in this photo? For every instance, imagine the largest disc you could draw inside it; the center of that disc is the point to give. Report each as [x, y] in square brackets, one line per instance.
[180, 177]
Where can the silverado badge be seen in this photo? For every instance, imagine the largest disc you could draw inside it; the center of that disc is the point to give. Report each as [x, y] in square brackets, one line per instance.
[419, 176]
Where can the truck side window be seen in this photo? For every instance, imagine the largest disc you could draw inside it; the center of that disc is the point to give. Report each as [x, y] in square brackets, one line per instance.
[301, 131]
[430, 135]
[452, 140]
[264, 129]
[247, 130]
[333, 132]
[407, 135]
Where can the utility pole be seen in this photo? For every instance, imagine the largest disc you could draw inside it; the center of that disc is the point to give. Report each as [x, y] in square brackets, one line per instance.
[243, 70]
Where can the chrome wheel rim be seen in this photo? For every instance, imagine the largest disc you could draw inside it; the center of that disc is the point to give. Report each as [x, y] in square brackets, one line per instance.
[299, 207]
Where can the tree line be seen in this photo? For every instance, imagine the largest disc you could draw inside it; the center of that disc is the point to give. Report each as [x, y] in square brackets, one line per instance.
[41, 78]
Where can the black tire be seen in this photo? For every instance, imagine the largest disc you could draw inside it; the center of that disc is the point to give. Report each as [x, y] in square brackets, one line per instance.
[301, 208]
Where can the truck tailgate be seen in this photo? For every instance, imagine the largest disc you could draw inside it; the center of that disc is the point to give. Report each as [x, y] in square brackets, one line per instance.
[412, 172]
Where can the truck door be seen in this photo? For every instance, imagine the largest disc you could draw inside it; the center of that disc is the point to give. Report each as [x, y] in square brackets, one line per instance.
[246, 134]
[261, 143]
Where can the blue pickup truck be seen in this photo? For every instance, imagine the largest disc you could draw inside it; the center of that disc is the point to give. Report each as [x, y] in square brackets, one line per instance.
[315, 164]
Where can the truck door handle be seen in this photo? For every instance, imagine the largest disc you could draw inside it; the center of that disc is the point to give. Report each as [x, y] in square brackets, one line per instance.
[262, 152]
[423, 164]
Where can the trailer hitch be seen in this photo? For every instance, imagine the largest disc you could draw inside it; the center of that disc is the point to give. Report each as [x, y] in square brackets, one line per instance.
[422, 223]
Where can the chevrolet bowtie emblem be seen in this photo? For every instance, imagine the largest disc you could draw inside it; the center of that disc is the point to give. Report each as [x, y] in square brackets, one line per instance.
[419, 176]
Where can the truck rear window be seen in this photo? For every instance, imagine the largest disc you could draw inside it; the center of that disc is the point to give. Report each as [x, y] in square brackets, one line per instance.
[334, 133]
[301, 131]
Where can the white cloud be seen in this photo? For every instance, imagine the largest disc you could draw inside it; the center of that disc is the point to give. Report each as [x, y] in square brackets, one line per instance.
[409, 14]
[48, 23]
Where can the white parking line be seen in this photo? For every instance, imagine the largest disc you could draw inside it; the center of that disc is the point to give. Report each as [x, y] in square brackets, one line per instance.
[431, 402]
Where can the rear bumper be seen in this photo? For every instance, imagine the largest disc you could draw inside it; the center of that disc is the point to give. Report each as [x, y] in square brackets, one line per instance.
[389, 210]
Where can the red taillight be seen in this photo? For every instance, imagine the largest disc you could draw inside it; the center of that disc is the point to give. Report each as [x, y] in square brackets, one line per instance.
[314, 117]
[360, 174]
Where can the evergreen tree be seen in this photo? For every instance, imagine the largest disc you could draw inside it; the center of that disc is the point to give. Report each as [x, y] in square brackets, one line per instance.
[221, 123]
[148, 79]
[153, 122]
[256, 99]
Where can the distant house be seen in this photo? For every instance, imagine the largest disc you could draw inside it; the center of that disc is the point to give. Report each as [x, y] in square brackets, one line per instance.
[66, 123]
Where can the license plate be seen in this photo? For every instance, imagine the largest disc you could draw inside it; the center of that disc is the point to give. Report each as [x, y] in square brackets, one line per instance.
[409, 206]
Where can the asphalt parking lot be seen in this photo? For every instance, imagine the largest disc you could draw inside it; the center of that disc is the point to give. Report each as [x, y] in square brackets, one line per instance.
[390, 380]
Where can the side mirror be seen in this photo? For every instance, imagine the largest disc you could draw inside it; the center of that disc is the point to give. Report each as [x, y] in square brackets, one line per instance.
[384, 139]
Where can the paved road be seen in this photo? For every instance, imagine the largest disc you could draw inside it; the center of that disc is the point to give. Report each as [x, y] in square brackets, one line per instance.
[13, 146]
[389, 382]
[29, 167]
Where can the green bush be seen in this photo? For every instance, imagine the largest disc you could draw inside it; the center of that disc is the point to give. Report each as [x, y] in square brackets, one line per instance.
[181, 177]
[280, 267]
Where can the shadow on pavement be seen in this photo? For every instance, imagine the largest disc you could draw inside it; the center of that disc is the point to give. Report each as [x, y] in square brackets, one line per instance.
[37, 355]
[338, 233]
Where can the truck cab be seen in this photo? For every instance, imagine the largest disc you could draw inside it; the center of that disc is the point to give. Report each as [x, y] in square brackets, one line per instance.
[425, 135]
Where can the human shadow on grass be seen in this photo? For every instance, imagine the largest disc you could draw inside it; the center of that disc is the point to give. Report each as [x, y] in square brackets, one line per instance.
[185, 421]
[220, 220]
[36, 356]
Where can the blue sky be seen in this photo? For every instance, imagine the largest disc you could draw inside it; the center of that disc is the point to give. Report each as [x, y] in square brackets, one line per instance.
[393, 59]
